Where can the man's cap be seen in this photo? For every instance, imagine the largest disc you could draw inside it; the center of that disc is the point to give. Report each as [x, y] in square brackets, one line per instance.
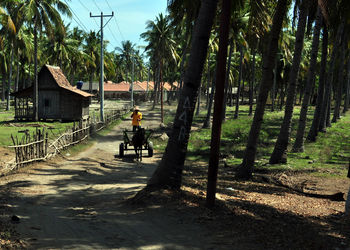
[136, 108]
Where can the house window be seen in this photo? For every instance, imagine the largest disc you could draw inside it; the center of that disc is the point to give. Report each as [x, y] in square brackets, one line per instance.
[47, 102]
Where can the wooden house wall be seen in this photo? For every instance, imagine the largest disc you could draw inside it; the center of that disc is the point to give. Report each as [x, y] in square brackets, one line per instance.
[46, 81]
[49, 104]
[71, 106]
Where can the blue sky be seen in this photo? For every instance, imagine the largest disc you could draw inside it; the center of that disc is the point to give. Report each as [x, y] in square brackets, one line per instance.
[128, 22]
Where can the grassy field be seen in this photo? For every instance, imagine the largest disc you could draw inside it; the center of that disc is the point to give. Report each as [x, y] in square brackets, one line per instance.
[331, 151]
[10, 127]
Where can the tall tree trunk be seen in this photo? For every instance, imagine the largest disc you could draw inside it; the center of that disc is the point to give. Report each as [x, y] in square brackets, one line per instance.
[17, 76]
[199, 100]
[339, 92]
[299, 140]
[161, 91]
[10, 79]
[239, 81]
[219, 103]
[347, 89]
[169, 171]
[35, 85]
[246, 168]
[273, 89]
[208, 80]
[324, 120]
[227, 80]
[279, 153]
[3, 95]
[252, 83]
[207, 121]
[321, 89]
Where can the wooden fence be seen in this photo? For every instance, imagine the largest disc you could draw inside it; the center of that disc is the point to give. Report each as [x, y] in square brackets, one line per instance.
[30, 148]
[37, 147]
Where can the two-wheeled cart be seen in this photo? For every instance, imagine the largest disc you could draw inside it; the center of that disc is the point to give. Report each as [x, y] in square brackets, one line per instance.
[127, 143]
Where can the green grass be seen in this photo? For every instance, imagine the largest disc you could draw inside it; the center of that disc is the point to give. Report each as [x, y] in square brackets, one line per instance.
[331, 151]
[8, 127]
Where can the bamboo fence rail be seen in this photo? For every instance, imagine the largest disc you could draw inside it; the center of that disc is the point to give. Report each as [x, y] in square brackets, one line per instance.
[38, 148]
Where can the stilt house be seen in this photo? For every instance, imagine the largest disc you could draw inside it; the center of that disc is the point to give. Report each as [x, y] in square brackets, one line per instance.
[57, 99]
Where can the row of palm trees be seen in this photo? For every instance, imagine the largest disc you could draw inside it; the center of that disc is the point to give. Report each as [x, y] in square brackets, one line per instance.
[278, 60]
[32, 33]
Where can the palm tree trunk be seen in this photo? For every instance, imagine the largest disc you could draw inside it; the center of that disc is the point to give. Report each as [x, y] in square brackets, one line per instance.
[246, 169]
[239, 82]
[279, 153]
[321, 89]
[161, 90]
[199, 100]
[227, 80]
[17, 76]
[208, 80]
[251, 86]
[169, 172]
[339, 92]
[10, 79]
[347, 89]
[35, 86]
[324, 121]
[299, 141]
[219, 103]
[207, 121]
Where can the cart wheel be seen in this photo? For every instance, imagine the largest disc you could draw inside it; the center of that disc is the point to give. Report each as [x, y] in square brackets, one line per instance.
[150, 149]
[121, 149]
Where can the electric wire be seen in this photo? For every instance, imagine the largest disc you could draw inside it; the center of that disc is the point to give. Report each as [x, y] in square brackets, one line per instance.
[78, 21]
[115, 20]
[88, 12]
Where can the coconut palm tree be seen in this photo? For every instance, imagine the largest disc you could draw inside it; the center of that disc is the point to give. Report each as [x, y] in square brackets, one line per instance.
[321, 88]
[10, 22]
[127, 51]
[159, 36]
[299, 140]
[42, 14]
[279, 152]
[91, 49]
[246, 168]
[169, 171]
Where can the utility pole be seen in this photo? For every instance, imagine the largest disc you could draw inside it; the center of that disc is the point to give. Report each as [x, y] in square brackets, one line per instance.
[132, 82]
[101, 65]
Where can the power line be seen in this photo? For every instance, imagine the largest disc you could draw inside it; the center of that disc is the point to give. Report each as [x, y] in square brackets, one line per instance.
[87, 11]
[113, 35]
[79, 22]
[115, 20]
[97, 5]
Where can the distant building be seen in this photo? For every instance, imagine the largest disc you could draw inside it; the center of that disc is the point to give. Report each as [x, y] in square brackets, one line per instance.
[58, 99]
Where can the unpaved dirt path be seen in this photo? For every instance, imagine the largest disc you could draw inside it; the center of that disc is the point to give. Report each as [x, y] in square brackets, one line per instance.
[78, 202]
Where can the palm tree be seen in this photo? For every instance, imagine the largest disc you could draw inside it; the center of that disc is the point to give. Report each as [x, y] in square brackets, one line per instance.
[169, 171]
[219, 102]
[91, 49]
[279, 152]
[325, 109]
[321, 88]
[246, 168]
[159, 36]
[127, 51]
[299, 140]
[339, 90]
[44, 13]
[9, 31]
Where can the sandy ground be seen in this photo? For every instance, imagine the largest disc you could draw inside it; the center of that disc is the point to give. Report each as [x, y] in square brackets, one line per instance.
[79, 202]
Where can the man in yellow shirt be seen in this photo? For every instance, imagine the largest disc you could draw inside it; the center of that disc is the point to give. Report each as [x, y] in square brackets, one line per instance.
[136, 119]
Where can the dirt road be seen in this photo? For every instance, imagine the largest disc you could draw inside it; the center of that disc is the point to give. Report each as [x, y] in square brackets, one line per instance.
[78, 202]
